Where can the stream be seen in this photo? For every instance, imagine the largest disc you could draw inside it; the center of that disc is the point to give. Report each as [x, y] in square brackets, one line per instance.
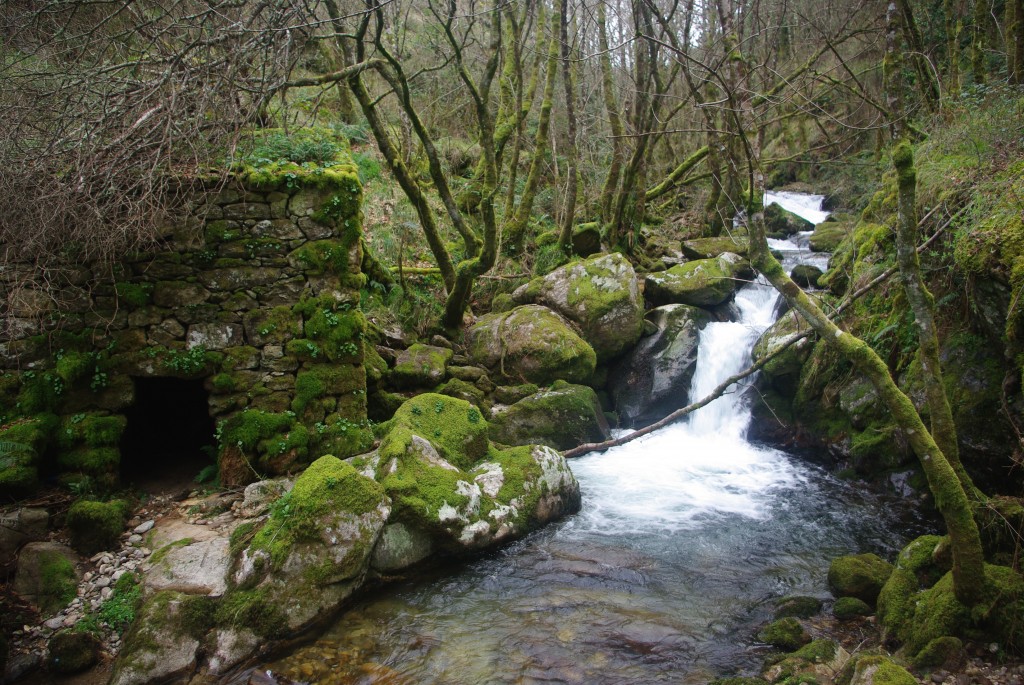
[685, 541]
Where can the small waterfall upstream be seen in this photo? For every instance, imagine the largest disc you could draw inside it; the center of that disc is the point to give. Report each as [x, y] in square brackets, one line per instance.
[685, 540]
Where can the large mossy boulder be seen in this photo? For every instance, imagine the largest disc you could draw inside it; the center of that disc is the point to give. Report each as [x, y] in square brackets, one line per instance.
[313, 551]
[653, 379]
[46, 575]
[707, 248]
[531, 344]
[780, 223]
[701, 282]
[72, 652]
[563, 416]
[786, 634]
[783, 370]
[455, 493]
[601, 295]
[859, 575]
[828, 235]
[420, 366]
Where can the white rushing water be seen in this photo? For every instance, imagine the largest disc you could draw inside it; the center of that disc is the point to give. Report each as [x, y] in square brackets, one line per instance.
[683, 475]
[801, 204]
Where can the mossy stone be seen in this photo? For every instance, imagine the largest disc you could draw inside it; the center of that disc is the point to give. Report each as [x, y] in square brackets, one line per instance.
[707, 248]
[72, 652]
[880, 670]
[420, 366]
[532, 344]
[564, 416]
[455, 428]
[798, 607]
[828, 235]
[701, 282]
[847, 608]
[96, 526]
[946, 653]
[785, 634]
[859, 575]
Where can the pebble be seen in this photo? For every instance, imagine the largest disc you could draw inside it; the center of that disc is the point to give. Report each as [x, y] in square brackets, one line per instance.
[54, 623]
[102, 582]
[144, 528]
[106, 593]
[134, 539]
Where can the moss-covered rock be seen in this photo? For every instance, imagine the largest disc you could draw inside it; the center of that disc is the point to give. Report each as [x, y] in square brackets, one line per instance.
[311, 554]
[653, 379]
[72, 652]
[880, 670]
[707, 248]
[828, 235]
[847, 608]
[946, 653]
[420, 366]
[562, 417]
[601, 295]
[46, 575]
[452, 497]
[95, 526]
[784, 370]
[533, 344]
[859, 575]
[780, 223]
[797, 607]
[157, 648]
[702, 282]
[918, 566]
[786, 634]
[806, 275]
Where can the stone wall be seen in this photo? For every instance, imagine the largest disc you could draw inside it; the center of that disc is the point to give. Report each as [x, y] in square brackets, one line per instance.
[255, 293]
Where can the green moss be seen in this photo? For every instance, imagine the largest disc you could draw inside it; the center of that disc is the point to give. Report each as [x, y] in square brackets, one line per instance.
[57, 582]
[97, 461]
[336, 328]
[321, 380]
[71, 652]
[818, 651]
[883, 671]
[785, 634]
[95, 526]
[847, 608]
[859, 575]
[198, 615]
[940, 652]
[798, 607]
[251, 610]
[328, 486]
[91, 430]
[135, 295]
[454, 427]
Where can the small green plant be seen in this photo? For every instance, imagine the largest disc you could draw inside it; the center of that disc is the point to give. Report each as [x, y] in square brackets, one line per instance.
[279, 147]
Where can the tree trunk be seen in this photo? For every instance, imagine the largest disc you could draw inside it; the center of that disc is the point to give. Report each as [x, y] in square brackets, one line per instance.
[569, 82]
[611, 105]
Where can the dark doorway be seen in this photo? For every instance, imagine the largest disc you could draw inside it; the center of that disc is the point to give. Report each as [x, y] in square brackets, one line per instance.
[169, 437]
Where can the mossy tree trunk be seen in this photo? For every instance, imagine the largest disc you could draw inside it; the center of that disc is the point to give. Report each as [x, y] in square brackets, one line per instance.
[515, 227]
[926, 79]
[951, 8]
[569, 83]
[1013, 30]
[921, 303]
[978, 25]
[611, 106]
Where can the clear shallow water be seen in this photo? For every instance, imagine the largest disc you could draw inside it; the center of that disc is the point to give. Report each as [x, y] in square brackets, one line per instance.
[685, 540]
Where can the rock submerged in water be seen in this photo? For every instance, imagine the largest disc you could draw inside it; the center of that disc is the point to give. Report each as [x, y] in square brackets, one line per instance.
[531, 343]
[601, 295]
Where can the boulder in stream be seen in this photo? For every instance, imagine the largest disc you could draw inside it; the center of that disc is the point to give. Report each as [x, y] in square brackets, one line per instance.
[454, 492]
[701, 282]
[654, 378]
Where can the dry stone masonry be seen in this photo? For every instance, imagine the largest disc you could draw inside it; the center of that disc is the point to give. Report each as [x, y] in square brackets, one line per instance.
[254, 294]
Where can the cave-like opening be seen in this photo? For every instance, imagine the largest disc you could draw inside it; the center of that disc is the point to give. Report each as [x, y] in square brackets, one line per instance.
[169, 437]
